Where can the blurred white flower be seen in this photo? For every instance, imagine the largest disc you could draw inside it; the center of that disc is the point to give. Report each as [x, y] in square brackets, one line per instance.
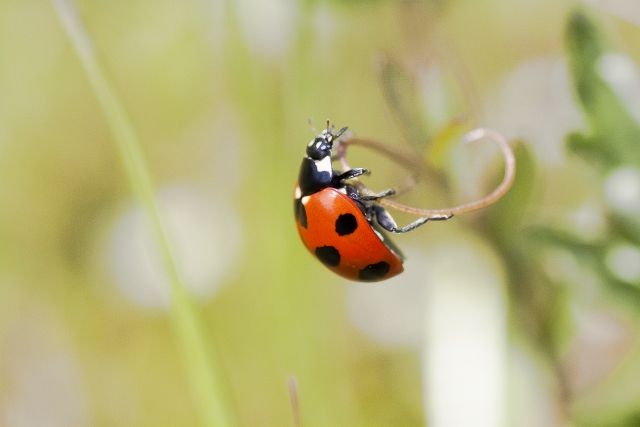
[326, 27]
[624, 262]
[392, 311]
[628, 10]
[531, 394]
[588, 221]
[623, 76]
[622, 190]
[206, 237]
[269, 25]
[535, 103]
[324, 23]
[450, 302]
[466, 340]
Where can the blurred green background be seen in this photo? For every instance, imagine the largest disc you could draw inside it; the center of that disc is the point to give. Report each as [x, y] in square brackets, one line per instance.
[524, 314]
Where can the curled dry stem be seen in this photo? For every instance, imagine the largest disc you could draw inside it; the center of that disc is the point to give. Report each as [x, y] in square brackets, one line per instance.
[414, 164]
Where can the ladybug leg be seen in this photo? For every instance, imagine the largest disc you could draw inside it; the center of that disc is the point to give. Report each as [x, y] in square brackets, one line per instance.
[359, 197]
[351, 174]
[387, 222]
[354, 194]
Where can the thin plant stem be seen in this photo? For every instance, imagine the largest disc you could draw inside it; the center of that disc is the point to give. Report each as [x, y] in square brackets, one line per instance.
[411, 162]
[206, 376]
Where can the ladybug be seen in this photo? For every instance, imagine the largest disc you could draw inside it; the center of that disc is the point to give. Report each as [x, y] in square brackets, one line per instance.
[344, 229]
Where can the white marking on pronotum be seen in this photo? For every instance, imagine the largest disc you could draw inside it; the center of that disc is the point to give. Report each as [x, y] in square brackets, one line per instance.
[311, 143]
[297, 193]
[343, 190]
[324, 165]
[305, 199]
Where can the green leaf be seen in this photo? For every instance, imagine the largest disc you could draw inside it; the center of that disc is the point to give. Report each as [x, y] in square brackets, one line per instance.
[589, 148]
[615, 135]
[625, 228]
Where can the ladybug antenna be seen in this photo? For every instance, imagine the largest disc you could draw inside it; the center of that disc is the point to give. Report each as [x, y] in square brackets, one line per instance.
[340, 132]
[313, 129]
[330, 129]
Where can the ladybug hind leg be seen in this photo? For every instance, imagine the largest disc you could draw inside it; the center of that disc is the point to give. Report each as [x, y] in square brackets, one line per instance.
[387, 222]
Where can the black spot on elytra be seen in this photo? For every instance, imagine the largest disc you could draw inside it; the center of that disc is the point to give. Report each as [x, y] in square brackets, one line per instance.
[300, 212]
[346, 224]
[328, 255]
[374, 272]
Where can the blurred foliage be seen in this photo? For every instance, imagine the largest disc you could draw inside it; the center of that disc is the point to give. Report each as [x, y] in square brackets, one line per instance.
[429, 106]
[614, 136]
[613, 142]
[403, 98]
[540, 305]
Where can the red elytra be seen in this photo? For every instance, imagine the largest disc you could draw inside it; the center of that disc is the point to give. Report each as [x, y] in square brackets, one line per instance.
[339, 235]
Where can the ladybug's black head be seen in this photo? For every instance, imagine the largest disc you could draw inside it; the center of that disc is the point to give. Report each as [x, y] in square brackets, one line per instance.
[321, 146]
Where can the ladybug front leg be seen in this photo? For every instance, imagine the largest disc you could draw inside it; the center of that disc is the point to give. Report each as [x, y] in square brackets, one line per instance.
[387, 222]
[353, 173]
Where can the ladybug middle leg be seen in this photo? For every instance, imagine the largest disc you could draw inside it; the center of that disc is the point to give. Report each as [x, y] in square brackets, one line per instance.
[354, 194]
[387, 222]
[370, 209]
[359, 197]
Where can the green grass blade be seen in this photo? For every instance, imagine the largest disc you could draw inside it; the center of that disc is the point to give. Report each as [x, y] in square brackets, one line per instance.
[206, 377]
